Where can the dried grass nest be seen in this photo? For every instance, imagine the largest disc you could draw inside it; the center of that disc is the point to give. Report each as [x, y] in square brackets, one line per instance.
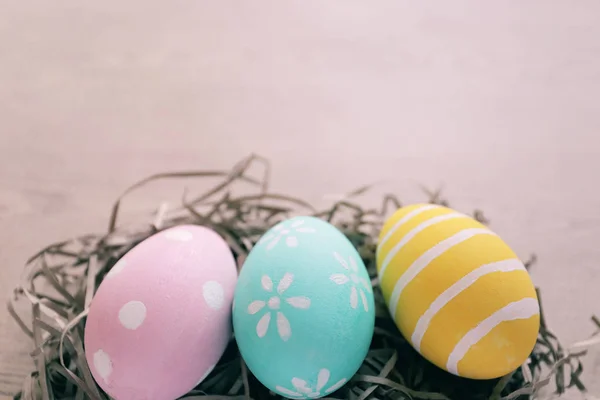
[59, 283]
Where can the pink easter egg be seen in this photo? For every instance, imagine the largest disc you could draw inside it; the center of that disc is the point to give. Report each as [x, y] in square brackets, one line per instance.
[161, 319]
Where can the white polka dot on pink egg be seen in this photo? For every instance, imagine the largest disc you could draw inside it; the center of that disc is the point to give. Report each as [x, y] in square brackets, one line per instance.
[161, 319]
[213, 294]
[132, 314]
[102, 364]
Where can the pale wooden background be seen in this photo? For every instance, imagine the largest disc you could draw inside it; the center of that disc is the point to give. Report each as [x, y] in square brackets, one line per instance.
[499, 102]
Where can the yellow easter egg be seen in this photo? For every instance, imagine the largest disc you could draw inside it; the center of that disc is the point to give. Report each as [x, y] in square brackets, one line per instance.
[457, 292]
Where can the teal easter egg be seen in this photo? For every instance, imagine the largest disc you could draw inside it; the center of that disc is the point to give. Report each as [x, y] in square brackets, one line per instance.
[303, 312]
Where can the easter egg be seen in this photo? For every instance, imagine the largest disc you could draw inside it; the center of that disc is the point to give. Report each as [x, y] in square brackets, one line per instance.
[304, 312]
[161, 318]
[457, 292]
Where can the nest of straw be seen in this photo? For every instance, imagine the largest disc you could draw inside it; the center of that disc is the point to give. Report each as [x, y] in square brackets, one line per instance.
[60, 280]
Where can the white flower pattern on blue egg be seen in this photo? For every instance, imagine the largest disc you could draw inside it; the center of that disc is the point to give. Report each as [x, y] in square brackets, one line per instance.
[303, 275]
[352, 276]
[303, 390]
[273, 304]
[286, 230]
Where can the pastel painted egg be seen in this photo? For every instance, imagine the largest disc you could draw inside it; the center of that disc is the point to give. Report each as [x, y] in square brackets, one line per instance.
[304, 312]
[457, 292]
[161, 318]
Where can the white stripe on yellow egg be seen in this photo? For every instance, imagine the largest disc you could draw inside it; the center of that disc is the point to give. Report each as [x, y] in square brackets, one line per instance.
[456, 289]
[518, 310]
[411, 234]
[408, 215]
[466, 311]
[503, 349]
[400, 223]
[441, 273]
[419, 244]
[453, 286]
[427, 258]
